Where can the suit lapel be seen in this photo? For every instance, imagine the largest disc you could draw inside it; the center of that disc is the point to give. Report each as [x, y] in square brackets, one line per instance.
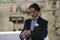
[29, 24]
[39, 20]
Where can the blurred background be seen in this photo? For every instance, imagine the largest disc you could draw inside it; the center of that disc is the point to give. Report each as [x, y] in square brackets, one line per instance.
[13, 13]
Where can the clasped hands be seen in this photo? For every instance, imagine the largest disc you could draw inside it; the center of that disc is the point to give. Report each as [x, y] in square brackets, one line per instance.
[26, 33]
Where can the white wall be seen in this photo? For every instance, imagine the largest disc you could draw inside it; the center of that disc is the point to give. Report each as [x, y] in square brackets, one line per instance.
[4, 16]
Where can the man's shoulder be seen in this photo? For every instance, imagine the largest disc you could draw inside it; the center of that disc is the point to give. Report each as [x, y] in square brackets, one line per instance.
[43, 20]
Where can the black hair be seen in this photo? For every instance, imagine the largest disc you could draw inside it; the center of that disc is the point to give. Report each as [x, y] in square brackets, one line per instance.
[35, 6]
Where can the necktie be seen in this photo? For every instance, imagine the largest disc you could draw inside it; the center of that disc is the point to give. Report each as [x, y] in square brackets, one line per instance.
[32, 24]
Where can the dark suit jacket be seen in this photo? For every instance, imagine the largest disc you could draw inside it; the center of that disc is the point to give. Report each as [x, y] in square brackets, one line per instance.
[39, 32]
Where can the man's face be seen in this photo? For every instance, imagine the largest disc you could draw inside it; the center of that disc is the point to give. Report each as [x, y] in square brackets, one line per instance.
[33, 13]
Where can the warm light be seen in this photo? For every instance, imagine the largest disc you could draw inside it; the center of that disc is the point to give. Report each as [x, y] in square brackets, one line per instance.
[11, 9]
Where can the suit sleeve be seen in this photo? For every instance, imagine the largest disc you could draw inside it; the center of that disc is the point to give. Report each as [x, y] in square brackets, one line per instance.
[41, 33]
[20, 36]
[26, 27]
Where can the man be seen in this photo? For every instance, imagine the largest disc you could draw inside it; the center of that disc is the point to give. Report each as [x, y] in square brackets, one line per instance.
[35, 28]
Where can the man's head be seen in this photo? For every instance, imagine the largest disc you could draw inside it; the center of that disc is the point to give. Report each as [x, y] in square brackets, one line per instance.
[34, 10]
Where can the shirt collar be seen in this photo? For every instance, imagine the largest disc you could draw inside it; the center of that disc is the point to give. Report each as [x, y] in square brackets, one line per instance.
[35, 18]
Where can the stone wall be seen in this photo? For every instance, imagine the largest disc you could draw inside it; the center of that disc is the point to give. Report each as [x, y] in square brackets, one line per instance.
[47, 13]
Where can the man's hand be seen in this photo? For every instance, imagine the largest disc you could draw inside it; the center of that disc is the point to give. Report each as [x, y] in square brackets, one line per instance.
[26, 33]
